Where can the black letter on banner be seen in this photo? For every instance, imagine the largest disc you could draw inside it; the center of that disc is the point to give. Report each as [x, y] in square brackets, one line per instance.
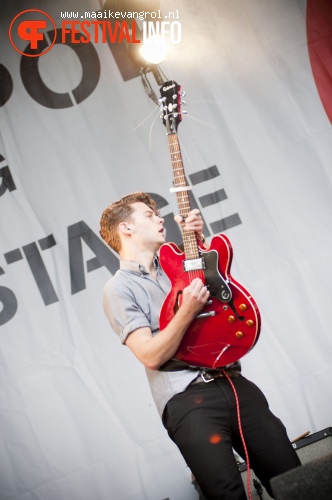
[37, 89]
[6, 85]
[7, 180]
[40, 274]
[9, 305]
[214, 198]
[104, 256]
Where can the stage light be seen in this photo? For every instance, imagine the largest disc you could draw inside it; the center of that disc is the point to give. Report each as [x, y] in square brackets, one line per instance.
[155, 49]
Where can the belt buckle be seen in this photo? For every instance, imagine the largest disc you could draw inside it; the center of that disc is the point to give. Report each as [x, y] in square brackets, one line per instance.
[207, 380]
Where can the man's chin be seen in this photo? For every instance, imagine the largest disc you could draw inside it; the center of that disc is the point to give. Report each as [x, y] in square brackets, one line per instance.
[161, 243]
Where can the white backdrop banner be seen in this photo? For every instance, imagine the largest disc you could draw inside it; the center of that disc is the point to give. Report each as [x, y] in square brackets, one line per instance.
[77, 132]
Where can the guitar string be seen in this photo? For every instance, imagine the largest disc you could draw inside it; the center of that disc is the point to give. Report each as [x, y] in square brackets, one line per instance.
[189, 239]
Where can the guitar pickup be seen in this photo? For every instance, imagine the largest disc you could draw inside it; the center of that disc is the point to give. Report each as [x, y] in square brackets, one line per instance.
[194, 264]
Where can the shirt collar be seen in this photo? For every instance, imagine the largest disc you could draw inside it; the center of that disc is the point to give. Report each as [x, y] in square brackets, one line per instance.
[136, 268]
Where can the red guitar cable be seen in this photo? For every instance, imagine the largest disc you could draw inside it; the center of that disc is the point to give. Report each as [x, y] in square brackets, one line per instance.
[241, 432]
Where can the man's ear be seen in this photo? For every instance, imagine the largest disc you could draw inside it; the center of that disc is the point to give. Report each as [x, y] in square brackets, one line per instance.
[124, 228]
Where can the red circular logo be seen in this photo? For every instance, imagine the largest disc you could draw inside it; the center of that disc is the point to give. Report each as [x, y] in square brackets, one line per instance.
[32, 31]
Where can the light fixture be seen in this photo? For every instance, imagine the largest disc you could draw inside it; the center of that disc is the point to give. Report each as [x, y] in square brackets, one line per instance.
[144, 67]
[155, 49]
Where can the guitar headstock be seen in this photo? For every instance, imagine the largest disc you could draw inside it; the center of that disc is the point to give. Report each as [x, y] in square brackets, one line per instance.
[170, 105]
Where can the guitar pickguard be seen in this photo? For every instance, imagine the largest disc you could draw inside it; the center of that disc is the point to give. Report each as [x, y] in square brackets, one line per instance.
[217, 285]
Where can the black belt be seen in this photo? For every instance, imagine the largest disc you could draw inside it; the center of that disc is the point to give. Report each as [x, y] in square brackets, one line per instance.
[209, 375]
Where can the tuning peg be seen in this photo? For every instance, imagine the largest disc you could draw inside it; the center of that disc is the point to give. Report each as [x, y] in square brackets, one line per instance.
[162, 99]
[184, 112]
[184, 103]
[183, 93]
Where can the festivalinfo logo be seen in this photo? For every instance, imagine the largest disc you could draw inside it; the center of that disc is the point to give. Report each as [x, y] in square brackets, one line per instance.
[40, 31]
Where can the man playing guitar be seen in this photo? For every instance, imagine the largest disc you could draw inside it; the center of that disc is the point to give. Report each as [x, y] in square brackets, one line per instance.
[199, 407]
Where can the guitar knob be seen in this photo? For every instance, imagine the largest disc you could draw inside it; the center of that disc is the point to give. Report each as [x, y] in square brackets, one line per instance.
[250, 323]
[231, 319]
[243, 307]
[239, 335]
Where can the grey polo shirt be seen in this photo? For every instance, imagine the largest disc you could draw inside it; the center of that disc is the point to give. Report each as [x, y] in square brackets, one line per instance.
[132, 299]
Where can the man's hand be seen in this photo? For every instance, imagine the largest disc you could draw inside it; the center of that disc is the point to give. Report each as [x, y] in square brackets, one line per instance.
[194, 297]
[193, 222]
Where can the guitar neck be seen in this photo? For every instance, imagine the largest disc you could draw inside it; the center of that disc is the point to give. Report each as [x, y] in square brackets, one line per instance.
[182, 196]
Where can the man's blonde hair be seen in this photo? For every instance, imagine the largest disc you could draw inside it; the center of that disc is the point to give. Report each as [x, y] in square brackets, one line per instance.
[121, 211]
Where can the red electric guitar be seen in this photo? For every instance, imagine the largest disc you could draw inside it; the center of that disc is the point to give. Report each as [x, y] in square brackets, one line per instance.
[229, 325]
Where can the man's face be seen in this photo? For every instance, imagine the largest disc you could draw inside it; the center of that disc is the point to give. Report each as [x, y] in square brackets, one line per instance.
[147, 227]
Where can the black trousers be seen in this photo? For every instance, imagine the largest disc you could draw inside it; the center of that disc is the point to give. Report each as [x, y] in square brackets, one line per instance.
[203, 423]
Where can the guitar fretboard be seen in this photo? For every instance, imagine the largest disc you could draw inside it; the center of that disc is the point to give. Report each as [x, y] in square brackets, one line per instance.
[179, 180]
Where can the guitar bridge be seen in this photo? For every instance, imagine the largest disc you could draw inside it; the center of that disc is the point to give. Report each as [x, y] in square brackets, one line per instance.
[194, 264]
